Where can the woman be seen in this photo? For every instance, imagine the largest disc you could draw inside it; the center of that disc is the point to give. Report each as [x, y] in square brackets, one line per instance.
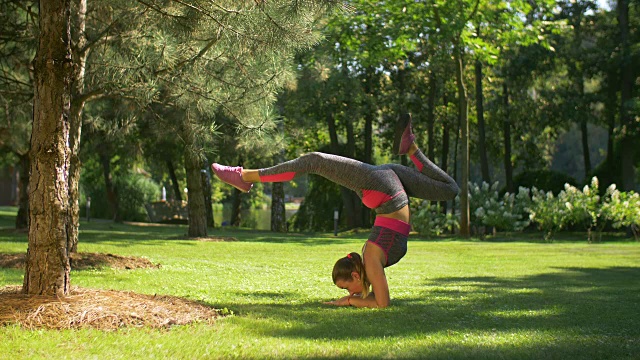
[384, 188]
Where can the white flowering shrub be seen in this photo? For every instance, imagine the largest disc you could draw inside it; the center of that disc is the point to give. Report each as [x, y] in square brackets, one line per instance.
[547, 212]
[514, 212]
[622, 209]
[506, 213]
[428, 219]
[583, 208]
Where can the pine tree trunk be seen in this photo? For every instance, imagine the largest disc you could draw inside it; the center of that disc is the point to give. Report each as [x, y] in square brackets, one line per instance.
[368, 119]
[206, 192]
[110, 189]
[77, 105]
[197, 211]
[456, 150]
[506, 133]
[365, 215]
[353, 206]
[445, 145]
[174, 180]
[368, 137]
[347, 200]
[278, 211]
[22, 219]
[577, 77]
[431, 114]
[482, 138]
[610, 110]
[584, 131]
[627, 146]
[463, 108]
[235, 208]
[47, 263]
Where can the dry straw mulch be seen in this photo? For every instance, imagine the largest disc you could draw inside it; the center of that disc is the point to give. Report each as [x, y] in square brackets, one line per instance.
[99, 309]
[83, 261]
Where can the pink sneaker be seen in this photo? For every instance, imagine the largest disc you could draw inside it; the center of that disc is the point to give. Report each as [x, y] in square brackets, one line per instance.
[231, 176]
[403, 137]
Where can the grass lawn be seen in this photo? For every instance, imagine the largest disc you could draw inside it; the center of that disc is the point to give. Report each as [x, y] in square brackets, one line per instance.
[451, 299]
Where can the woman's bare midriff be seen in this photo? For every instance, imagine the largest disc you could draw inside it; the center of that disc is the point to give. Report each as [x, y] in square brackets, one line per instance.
[402, 214]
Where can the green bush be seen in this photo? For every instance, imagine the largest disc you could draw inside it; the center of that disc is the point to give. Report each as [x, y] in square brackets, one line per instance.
[134, 191]
[316, 211]
[428, 219]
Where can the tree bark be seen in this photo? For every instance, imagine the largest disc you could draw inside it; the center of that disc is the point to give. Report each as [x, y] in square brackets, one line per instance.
[22, 219]
[463, 108]
[197, 211]
[206, 192]
[627, 147]
[278, 211]
[482, 138]
[174, 180]
[506, 133]
[47, 262]
[79, 55]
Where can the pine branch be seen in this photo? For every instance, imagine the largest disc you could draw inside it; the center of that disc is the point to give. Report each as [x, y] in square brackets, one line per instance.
[207, 14]
[89, 96]
[12, 80]
[200, 54]
[160, 11]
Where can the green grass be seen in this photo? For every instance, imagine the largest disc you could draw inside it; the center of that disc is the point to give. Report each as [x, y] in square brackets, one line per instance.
[451, 299]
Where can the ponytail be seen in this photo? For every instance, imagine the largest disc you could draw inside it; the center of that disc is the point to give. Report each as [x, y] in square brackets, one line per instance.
[345, 266]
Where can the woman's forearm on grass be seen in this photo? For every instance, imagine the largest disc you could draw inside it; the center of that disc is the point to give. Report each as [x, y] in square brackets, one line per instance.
[368, 302]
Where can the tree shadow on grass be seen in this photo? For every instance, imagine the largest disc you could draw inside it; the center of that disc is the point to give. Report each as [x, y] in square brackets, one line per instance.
[584, 311]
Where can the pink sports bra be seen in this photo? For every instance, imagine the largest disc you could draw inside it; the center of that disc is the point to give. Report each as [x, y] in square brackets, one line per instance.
[373, 199]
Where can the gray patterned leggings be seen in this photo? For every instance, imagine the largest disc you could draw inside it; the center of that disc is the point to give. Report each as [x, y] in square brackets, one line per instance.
[385, 188]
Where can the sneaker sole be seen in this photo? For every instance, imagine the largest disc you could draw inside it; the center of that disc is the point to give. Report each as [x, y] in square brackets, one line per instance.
[401, 125]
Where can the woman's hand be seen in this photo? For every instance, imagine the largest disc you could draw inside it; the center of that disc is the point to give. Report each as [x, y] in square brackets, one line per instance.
[343, 301]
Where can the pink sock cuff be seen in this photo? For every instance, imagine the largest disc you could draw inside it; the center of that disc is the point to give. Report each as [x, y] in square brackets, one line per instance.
[393, 224]
[288, 176]
[416, 162]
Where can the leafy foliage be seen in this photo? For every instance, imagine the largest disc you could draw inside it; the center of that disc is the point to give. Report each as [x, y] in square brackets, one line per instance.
[547, 180]
[429, 219]
[316, 212]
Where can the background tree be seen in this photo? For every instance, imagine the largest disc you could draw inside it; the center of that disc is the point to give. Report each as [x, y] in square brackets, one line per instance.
[629, 125]
[18, 26]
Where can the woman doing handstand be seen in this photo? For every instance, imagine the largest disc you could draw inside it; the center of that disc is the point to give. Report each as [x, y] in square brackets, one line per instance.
[384, 188]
